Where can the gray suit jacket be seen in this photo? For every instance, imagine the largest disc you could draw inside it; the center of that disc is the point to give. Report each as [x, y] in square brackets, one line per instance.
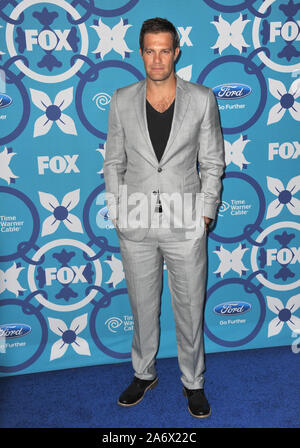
[133, 175]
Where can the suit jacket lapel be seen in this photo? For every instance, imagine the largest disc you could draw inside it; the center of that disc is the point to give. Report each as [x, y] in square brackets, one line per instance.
[140, 107]
[181, 105]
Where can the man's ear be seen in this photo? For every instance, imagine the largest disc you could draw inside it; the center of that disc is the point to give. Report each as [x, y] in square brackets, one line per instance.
[141, 53]
[176, 53]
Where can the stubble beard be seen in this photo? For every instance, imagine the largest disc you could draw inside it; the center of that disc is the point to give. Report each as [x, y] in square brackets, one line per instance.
[159, 78]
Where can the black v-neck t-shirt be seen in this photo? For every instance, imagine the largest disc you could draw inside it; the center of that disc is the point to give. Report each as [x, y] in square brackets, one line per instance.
[159, 126]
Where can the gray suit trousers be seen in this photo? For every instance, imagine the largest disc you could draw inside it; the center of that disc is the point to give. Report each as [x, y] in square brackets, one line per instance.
[186, 262]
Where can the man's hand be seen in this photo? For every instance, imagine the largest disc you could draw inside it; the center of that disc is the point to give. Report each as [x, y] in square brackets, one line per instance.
[207, 221]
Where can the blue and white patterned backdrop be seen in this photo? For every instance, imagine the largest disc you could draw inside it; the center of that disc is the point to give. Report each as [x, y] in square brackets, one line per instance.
[63, 297]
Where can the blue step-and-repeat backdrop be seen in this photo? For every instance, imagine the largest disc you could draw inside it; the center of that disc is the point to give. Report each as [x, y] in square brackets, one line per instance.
[63, 297]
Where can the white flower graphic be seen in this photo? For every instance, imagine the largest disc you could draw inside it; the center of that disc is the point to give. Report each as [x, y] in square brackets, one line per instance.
[102, 152]
[284, 314]
[117, 274]
[231, 260]
[60, 213]
[111, 39]
[5, 171]
[286, 100]
[68, 337]
[284, 196]
[53, 112]
[185, 72]
[9, 280]
[230, 34]
[234, 152]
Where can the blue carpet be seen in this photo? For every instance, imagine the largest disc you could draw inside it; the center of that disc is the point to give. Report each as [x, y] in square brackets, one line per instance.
[246, 389]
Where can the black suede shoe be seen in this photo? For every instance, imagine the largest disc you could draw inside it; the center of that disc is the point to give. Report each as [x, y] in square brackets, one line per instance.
[136, 391]
[198, 404]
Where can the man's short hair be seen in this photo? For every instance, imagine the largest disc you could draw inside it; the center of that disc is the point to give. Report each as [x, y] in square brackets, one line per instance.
[158, 25]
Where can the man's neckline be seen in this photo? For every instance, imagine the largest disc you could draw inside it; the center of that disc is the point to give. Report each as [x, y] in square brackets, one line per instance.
[161, 113]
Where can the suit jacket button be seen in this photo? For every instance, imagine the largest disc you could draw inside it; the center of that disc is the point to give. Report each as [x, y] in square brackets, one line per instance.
[159, 169]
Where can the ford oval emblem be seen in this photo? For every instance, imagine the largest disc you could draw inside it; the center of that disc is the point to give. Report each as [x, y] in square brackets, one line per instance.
[231, 91]
[230, 308]
[14, 330]
[5, 100]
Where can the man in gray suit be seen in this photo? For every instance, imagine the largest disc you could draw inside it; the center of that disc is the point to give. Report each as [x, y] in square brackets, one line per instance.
[159, 130]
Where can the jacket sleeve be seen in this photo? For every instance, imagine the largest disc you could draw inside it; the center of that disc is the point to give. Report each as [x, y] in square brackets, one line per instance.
[114, 165]
[211, 156]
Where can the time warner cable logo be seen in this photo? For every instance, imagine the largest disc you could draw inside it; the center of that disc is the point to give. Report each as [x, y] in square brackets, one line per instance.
[125, 324]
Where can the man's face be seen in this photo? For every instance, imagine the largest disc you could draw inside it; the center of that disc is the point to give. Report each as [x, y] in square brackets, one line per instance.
[158, 55]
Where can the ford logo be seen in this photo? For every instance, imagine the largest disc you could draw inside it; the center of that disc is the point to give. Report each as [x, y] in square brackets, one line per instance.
[232, 308]
[231, 91]
[5, 100]
[14, 330]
